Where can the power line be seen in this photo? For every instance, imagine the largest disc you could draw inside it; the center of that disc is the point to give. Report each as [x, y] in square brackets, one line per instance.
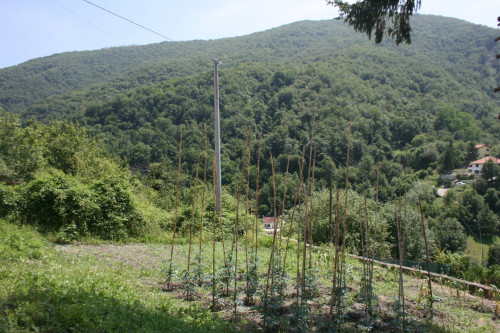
[130, 21]
[87, 21]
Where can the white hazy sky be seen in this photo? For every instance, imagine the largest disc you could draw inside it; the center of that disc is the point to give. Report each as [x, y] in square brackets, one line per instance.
[35, 28]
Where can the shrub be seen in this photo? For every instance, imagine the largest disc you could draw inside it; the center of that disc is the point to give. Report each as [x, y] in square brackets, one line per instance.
[7, 200]
[117, 215]
[57, 202]
[494, 255]
[450, 235]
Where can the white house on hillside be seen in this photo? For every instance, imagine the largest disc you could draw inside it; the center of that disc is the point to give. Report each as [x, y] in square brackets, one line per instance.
[268, 222]
[475, 167]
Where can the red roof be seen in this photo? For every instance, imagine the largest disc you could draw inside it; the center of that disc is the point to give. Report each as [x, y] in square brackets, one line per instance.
[480, 146]
[484, 160]
[267, 219]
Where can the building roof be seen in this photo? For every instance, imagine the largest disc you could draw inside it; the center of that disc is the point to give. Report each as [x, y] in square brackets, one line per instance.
[480, 146]
[485, 159]
[267, 219]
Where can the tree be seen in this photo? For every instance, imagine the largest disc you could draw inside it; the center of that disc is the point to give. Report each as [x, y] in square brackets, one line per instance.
[472, 153]
[448, 159]
[494, 255]
[450, 235]
[369, 15]
[490, 170]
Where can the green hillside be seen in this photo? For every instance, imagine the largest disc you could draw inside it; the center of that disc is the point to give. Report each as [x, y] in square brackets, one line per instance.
[105, 73]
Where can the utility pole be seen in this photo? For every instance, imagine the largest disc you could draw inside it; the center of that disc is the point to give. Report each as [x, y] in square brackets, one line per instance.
[218, 200]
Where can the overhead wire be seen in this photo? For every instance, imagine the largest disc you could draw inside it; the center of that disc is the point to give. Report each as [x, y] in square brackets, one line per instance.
[128, 20]
[87, 21]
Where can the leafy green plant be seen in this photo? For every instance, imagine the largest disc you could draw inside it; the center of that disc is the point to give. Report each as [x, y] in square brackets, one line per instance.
[7, 200]
[226, 275]
[251, 279]
[188, 281]
[199, 270]
[171, 273]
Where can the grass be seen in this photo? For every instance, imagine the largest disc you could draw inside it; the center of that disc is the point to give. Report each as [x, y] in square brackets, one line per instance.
[47, 291]
[473, 249]
[119, 287]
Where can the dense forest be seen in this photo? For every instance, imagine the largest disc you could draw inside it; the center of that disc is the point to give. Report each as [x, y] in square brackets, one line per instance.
[407, 113]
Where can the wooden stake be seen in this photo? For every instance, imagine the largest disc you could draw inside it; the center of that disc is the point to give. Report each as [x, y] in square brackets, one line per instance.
[301, 182]
[192, 213]
[256, 226]
[346, 194]
[401, 294]
[236, 224]
[271, 259]
[427, 257]
[203, 194]
[188, 294]
[297, 199]
[336, 263]
[311, 212]
[281, 214]
[306, 215]
[246, 211]
[176, 211]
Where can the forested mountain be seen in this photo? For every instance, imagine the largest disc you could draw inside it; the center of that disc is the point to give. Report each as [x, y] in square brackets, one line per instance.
[453, 45]
[427, 100]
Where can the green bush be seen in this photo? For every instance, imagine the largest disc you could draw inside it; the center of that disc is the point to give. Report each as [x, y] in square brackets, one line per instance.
[56, 202]
[7, 200]
[117, 215]
[494, 255]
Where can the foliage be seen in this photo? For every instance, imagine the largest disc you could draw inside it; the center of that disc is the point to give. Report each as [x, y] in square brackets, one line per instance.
[355, 212]
[414, 245]
[476, 216]
[57, 202]
[463, 267]
[368, 15]
[69, 185]
[7, 200]
[494, 255]
[450, 235]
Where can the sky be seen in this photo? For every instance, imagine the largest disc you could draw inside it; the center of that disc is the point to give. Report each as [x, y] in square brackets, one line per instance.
[36, 28]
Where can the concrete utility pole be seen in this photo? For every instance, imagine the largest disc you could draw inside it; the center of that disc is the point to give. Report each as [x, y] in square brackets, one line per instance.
[218, 200]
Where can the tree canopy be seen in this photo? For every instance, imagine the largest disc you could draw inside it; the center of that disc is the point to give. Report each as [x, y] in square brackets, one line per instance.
[373, 16]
